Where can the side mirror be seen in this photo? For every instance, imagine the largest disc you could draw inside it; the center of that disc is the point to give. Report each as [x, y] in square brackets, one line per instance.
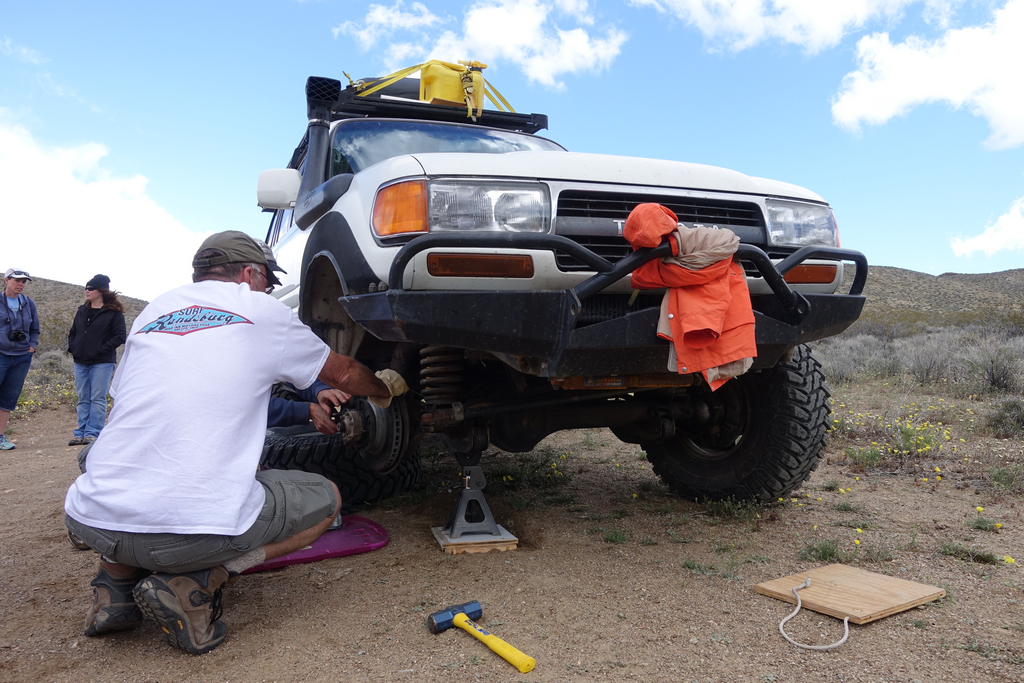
[278, 188]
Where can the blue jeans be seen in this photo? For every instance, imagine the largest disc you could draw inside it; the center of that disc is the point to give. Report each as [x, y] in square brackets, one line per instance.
[91, 383]
[13, 370]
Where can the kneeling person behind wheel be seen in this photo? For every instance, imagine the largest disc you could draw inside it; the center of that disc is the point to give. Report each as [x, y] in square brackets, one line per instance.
[172, 498]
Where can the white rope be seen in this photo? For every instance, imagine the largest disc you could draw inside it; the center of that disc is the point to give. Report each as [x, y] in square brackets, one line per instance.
[799, 603]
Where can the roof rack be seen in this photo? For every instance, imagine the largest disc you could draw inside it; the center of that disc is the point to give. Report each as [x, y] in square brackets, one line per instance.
[350, 106]
[391, 98]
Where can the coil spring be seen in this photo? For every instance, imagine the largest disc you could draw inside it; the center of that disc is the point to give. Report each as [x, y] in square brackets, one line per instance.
[441, 374]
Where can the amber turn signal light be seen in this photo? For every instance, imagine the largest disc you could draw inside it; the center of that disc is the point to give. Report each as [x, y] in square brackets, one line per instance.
[401, 208]
[479, 265]
[811, 275]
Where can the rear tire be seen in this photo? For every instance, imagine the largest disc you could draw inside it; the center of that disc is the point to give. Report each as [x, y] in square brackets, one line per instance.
[330, 457]
[766, 436]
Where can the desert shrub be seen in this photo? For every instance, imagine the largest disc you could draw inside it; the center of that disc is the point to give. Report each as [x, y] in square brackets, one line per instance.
[996, 363]
[53, 332]
[1007, 420]
[984, 524]
[885, 362]
[826, 550]
[864, 459]
[1009, 478]
[731, 509]
[962, 552]
[843, 359]
[929, 357]
[51, 367]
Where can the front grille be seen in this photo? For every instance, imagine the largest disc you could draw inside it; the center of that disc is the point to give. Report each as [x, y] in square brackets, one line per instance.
[607, 212]
[617, 206]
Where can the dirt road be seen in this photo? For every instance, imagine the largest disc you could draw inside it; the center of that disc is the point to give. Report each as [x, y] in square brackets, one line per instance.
[615, 580]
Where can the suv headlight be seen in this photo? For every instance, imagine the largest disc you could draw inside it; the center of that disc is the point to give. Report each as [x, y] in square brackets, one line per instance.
[457, 205]
[800, 224]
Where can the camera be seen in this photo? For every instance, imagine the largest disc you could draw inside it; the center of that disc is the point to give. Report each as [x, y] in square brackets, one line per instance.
[17, 335]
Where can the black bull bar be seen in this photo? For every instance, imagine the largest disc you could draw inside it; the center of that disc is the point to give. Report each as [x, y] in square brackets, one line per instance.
[537, 329]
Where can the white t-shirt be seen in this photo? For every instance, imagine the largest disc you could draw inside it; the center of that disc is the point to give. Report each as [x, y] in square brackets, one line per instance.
[183, 443]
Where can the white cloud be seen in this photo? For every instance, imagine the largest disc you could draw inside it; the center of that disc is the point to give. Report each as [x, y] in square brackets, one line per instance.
[812, 24]
[22, 54]
[580, 9]
[73, 219]
[382, 21]
[1006, 233]
[977, 67]
[521, 32]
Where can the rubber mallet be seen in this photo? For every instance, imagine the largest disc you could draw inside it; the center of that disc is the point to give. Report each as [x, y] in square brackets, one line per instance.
[463, 616]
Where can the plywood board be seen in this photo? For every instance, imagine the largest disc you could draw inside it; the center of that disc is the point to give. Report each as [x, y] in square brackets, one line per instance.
[842, 591]
[475, 543]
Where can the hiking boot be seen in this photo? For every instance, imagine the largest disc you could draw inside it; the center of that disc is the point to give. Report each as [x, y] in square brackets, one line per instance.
[88, 439]
[77, 441]
[5, 444]
[113, 607]
[186, 606]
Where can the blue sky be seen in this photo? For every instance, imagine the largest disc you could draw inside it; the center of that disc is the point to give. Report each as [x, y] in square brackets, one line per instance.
[129, 131]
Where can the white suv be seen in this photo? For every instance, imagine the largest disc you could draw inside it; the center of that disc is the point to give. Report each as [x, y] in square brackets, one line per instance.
[487, 265]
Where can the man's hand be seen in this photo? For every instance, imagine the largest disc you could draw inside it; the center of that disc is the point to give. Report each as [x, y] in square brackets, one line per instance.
[322, 419]
[330, 399]
[395, 384]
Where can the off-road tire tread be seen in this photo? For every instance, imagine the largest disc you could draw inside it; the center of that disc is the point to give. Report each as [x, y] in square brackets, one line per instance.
[797, 423]
[330, 457]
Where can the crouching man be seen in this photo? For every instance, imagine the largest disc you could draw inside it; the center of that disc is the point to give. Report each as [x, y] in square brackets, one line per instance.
[172, 499]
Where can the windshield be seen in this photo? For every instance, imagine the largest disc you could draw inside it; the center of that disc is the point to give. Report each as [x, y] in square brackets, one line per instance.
[359, 144]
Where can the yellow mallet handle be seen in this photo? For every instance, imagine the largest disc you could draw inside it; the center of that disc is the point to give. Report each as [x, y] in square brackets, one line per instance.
[511, 655]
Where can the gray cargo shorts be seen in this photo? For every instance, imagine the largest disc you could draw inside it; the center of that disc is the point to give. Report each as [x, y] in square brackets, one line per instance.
[295, 501]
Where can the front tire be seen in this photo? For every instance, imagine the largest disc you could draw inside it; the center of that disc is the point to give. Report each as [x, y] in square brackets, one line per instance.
[764, 434]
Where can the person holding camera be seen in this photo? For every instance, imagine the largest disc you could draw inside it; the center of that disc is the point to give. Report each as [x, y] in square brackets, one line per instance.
[19, 336]
[97, 331]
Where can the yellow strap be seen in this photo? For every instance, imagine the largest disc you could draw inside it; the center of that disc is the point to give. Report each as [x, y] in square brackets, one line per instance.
[388, 80]
[488, 89]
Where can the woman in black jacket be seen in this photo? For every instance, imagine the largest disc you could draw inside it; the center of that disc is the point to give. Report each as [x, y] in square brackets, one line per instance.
[95, 334]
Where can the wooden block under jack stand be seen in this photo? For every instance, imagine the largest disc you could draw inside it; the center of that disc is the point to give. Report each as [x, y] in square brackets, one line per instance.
[475, 543]
[842, 591]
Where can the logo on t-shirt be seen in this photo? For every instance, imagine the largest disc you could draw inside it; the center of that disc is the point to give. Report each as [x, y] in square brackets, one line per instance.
[193, 319]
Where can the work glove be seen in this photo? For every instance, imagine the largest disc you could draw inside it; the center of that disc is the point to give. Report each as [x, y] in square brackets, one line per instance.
[395, 384]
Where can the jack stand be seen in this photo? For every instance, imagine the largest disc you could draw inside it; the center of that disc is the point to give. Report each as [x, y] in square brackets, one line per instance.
[471, 527]
[471, 514]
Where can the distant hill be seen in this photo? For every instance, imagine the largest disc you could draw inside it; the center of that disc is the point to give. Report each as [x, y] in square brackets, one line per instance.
[902, 302]
[57, 303]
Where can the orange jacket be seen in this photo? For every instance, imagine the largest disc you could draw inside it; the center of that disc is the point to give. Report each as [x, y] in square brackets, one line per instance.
[709, 310]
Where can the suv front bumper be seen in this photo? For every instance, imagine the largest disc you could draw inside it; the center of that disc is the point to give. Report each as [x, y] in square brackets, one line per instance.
[538, 329]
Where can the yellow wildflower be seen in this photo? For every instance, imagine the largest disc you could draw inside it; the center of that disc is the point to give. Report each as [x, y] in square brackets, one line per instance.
[980, 509]
[857, 541]
[1009, 560]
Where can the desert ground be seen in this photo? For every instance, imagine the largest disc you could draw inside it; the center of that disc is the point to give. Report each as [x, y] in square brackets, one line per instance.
[615, 578]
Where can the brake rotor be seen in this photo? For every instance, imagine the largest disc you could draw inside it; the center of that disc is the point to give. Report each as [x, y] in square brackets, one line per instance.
[385, 433]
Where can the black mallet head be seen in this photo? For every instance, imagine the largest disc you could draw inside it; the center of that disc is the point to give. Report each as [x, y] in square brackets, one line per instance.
[442, 621]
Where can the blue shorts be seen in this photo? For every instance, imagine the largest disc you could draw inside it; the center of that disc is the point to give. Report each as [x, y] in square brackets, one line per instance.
[13, 371]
